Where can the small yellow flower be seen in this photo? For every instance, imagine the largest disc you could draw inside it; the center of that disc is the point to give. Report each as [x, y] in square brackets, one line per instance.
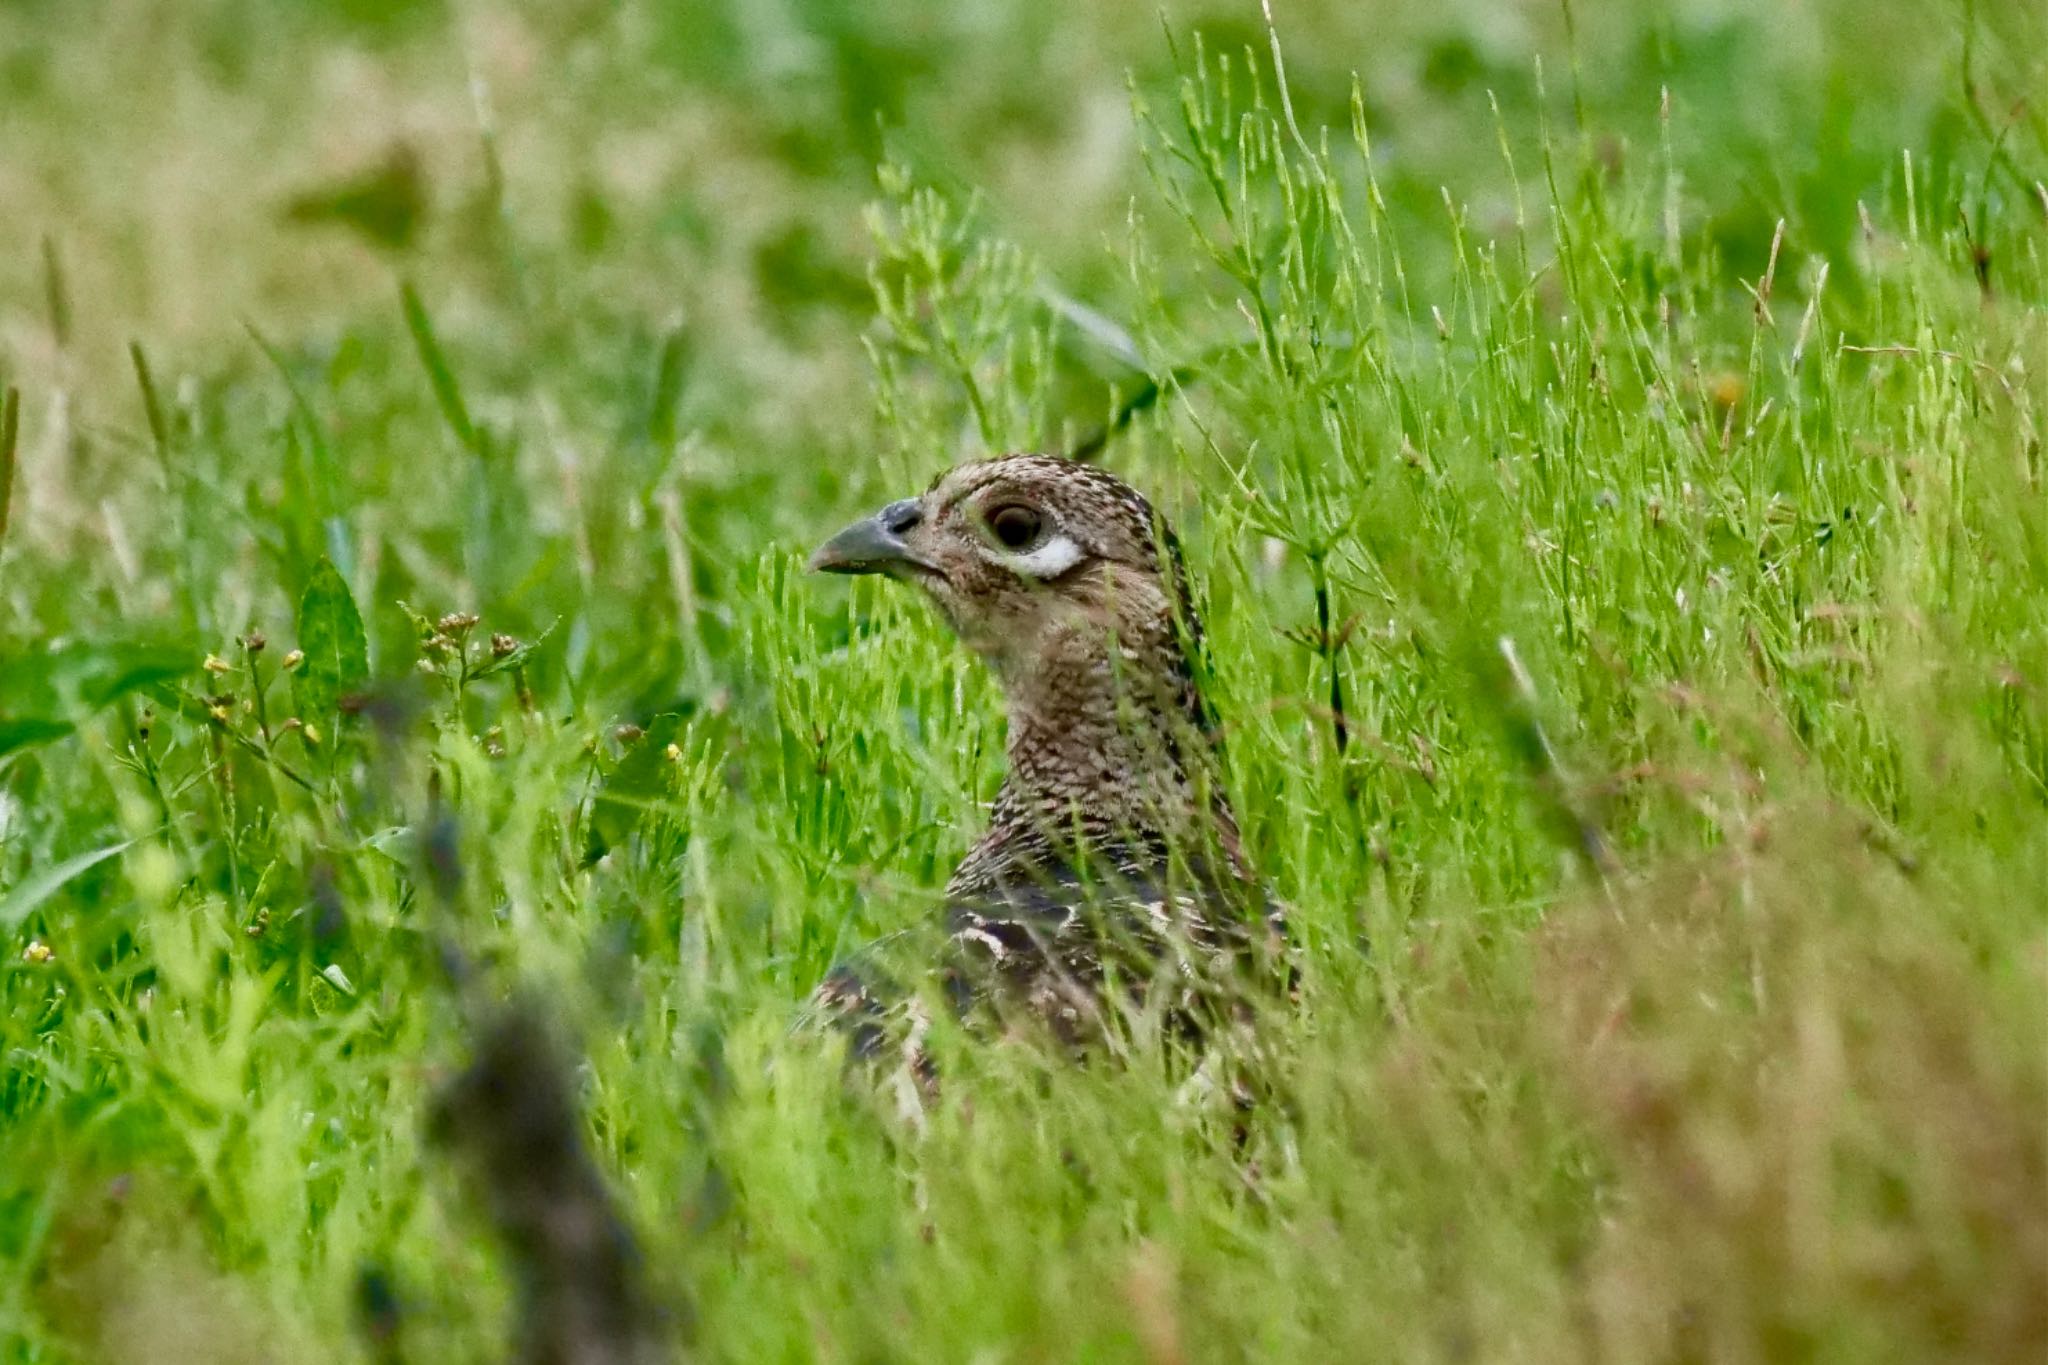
[215, 664]
[38, 952]
[674, 754]
[295, 658]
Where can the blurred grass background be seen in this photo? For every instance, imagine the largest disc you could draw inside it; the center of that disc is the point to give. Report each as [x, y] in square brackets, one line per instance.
[1697, 349]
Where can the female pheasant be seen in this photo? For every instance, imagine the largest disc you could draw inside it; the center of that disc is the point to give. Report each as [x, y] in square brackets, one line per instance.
[1111, 868]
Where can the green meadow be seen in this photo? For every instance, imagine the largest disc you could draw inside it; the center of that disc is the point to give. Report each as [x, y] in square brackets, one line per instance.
[1608, 442]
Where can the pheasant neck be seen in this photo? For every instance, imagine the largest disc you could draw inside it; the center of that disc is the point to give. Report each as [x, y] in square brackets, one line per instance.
[1107, 757]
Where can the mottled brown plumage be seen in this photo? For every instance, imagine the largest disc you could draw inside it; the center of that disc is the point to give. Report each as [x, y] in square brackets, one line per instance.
[1110, 846]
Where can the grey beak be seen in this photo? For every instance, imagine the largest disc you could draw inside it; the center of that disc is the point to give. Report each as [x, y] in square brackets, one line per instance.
[874, 544]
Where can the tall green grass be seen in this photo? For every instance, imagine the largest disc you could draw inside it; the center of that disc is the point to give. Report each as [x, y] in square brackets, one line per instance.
[1626, 611]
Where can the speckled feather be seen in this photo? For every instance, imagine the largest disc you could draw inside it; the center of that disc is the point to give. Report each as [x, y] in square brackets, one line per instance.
[1111, 849]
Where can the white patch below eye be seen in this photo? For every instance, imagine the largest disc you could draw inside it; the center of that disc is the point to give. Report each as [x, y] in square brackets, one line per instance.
[1058, 554]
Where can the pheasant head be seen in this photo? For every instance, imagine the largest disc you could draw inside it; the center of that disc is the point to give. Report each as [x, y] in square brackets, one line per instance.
[1071, 586]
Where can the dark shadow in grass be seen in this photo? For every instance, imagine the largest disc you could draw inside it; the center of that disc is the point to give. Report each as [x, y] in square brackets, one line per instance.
[512, 1115]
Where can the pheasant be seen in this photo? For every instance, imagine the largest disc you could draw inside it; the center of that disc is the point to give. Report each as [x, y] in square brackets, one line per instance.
[1111, 868]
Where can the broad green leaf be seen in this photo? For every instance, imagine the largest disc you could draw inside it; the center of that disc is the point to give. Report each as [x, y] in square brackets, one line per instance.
[394, 842]
[331, 637]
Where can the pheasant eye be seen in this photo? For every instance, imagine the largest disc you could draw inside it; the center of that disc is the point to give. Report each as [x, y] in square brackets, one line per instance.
[1014, 526]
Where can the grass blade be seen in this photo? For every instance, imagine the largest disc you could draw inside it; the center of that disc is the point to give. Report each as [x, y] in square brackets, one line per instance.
[152, 406]
[10, 437]
[447, 392]
[38, 887]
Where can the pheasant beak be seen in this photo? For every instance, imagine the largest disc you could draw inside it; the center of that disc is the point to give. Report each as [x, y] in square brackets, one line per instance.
[875, 544]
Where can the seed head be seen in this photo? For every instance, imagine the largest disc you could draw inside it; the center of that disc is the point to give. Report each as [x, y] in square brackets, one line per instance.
[457, 623]
[255, 641]
[502, 645]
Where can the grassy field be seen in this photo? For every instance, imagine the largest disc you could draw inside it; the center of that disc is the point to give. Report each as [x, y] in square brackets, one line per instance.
[1609, 446]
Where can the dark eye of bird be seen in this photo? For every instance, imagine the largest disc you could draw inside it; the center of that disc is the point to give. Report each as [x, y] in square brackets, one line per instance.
[1014, 526]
